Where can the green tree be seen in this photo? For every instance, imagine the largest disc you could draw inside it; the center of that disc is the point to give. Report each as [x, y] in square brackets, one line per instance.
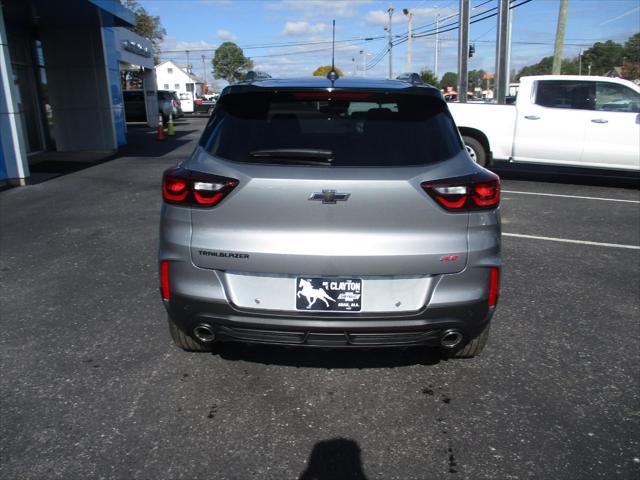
[475, 79]
[323, 70]
[632, 48]
[229, 63]
[603, 56]
[147, 26]
[449, 79]
[429, 77]
[570, 66]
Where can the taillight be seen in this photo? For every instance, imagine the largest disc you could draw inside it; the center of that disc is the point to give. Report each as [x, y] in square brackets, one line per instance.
[164, 280]
[476, 192]
[175, 103]
[494, 279]
[187, 187]
[175, 189]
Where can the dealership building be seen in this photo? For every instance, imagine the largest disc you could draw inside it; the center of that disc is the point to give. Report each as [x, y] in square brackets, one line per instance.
[61, 66]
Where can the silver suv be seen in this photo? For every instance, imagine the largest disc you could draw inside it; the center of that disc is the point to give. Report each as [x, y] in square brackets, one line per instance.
[331, 213]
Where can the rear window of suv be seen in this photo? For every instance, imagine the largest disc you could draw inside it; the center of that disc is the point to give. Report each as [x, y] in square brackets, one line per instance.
[352, 128]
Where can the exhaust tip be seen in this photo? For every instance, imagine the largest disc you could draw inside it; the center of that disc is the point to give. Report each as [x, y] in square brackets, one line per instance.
[451, 339]
[204, 333]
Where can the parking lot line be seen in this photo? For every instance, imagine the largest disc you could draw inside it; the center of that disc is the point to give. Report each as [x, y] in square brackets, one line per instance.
[567, 240]
[571, 196]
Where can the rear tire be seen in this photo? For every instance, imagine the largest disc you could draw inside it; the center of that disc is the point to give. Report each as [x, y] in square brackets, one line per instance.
[183, 340]
[475, 150]
[474, 347]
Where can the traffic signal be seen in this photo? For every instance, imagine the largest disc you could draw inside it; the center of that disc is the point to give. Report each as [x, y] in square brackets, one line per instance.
[472, 50]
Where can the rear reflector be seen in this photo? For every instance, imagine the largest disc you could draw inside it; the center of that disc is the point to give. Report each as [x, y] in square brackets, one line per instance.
[187, 187]
[476, 192]
[164, 280]
[494, 280]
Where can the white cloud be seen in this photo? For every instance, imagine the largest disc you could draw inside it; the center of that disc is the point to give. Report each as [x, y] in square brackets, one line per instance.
[225, 35]
[343, 8]
[420, 16]
[216, 3]
[173, 44]
[303, 28]
[303, 63]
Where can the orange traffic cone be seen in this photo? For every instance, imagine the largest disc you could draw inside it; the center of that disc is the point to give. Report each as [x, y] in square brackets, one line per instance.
[160, 134]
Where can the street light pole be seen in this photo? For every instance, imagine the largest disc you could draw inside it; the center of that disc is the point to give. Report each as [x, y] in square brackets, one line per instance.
[409, 14]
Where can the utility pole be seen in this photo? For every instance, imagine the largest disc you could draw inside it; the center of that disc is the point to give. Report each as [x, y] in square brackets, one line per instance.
[435, 67]
[364, 67]
[463, 51]
[409, 14]
[187, 61]
[503, 41]
[562, 24]
[390, 44]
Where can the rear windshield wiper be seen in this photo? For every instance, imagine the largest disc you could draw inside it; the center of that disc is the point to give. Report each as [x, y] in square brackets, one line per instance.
[295, 155]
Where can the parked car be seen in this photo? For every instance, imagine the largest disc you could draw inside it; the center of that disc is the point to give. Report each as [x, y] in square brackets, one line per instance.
[186, 101]
[134, 106]
[560, 120]
[169, 103]
[203, 106]
[135, 109]
[330, 213]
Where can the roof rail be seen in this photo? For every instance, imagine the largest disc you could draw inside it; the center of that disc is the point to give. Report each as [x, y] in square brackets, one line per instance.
[255, 76]
[411, 77]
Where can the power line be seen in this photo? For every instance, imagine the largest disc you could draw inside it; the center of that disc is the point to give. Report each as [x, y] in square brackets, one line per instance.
[429, 34]
[421, 27]
[278, 45]
[478, 17]
[293, 52]
[360, 40]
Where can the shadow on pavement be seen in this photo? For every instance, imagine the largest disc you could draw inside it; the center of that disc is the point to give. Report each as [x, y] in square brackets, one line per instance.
[568, 175]
[141, 143]
[335, 459]
[328, 358]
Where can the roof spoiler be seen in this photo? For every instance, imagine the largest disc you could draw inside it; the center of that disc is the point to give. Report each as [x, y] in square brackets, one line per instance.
[411, 77]
[255, 76]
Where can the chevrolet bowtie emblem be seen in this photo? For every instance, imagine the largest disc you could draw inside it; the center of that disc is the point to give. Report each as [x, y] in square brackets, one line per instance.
[330, 196]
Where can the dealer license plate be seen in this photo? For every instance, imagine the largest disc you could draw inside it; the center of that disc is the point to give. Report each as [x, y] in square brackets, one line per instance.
[329, 294]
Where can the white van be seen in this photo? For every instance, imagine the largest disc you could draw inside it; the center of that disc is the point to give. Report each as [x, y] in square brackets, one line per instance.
[186, 99]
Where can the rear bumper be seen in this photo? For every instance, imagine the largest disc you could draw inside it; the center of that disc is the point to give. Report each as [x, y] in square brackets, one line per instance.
[303, 329]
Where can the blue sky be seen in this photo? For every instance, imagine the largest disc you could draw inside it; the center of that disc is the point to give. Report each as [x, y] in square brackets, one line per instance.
[201, 25]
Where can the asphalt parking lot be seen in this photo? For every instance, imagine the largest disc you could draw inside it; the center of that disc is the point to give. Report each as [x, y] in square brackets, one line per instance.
[92, 387]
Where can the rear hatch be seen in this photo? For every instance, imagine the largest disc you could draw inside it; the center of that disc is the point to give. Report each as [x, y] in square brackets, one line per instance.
[329, 184]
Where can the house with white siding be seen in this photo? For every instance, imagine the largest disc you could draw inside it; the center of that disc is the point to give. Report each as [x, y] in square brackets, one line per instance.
[171, 77]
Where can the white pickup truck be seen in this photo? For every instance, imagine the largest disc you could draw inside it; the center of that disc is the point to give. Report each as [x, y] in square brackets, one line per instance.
[561, 120]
